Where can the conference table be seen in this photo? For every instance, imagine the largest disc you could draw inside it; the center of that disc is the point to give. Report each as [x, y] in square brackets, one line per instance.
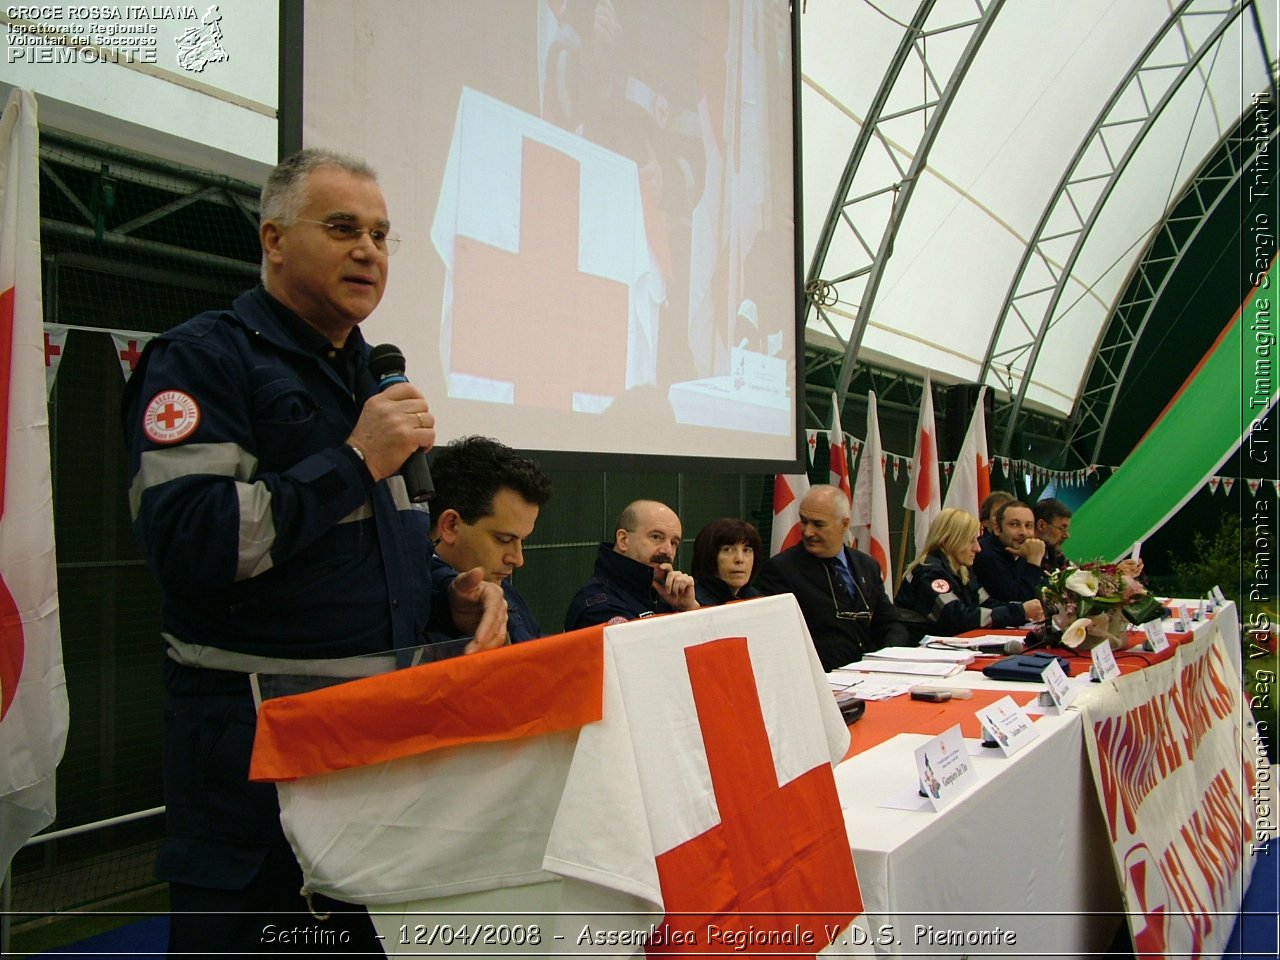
[1018, 866]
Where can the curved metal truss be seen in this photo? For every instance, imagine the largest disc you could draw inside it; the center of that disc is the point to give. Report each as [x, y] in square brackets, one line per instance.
[1081, 194]
[92, 179]
[1142, 290]
[864, 207]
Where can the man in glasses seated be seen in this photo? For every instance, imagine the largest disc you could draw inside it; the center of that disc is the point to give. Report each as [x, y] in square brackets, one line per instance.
[1053, 526]
[839, 589]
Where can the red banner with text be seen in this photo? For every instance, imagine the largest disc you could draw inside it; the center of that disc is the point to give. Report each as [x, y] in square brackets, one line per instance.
[1174, 759]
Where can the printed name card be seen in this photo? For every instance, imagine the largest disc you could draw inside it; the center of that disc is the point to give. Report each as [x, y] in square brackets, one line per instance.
[1104, 662]
[1156, 641]
[1061, 691]
[1007, 725]
[1182, 620]
[945, 768]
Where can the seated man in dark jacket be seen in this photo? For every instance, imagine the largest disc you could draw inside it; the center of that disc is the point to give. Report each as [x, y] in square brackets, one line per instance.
[1009, 566]
[485, 505]
[634, 576]
[839, 589]
[1053, 526]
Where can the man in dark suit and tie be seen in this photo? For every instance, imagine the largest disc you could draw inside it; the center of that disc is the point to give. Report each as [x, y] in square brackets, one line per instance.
[839, 589]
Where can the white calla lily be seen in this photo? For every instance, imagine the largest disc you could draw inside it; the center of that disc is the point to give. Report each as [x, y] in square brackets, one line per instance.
[1074, 635]
[1083, 582]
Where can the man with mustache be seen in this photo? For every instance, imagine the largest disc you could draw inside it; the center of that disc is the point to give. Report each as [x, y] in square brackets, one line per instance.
[635, 575]
[839, 589]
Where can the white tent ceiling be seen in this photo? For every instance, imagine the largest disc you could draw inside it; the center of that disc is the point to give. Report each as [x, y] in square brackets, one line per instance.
[921, 271]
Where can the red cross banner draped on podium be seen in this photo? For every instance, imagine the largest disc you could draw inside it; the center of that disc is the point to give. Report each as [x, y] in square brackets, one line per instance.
[735, 878]
[678, 766]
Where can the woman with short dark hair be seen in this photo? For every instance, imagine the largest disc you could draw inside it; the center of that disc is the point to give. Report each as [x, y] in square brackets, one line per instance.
[725, 554]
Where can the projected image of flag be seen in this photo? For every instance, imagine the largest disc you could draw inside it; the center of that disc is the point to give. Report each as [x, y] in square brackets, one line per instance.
[543, 239]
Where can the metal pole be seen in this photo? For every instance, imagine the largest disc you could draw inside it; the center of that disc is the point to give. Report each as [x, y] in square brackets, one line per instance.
[6, 902]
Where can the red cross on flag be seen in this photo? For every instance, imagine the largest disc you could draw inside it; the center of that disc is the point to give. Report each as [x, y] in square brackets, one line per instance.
[552, 294]
[972, 479]
[924, 492]
[55, 342]
[679, 767]
[838, 475]
[129, 350]
[33, 689]
[788, 491]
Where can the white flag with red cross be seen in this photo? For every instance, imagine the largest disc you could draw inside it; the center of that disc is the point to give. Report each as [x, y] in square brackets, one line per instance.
[788, 490]
[33, 688]
[971, 481]
[129, 345]
[55, 344]
[869, 522]
[678, 766]
[839, 470]
[924, 490]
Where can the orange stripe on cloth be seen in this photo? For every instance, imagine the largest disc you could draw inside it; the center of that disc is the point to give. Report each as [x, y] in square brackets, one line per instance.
[525, 690]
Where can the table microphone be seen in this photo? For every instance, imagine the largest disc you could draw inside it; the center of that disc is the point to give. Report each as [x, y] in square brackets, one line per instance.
[386, 364]
[1010, 646]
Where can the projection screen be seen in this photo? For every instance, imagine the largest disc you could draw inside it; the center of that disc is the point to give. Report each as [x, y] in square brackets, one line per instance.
[597, 201]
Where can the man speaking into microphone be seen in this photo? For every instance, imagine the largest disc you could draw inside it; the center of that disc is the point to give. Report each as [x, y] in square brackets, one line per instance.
[266, 488]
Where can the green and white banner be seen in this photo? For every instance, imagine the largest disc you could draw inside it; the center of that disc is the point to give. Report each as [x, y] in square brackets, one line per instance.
[1227, 402]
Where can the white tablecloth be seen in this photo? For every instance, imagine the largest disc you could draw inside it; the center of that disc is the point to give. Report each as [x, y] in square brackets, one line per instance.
[1024, 853]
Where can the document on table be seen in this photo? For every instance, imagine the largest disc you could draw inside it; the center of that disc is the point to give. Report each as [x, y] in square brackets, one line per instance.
[870, 686]
[921, 655]
[914, 668]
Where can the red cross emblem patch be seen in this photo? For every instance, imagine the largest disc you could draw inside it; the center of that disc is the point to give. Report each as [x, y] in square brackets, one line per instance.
[170, 416]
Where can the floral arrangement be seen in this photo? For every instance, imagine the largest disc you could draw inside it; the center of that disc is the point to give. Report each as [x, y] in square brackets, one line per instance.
[1091, 603]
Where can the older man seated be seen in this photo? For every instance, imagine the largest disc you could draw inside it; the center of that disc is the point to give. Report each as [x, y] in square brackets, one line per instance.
[839, 589]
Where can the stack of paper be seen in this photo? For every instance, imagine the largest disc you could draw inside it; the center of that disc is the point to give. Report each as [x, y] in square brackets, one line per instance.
[922, 655]
[912, 668]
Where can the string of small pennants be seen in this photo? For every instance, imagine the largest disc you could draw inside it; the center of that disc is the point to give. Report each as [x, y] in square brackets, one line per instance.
[129, 345]
[1017, 469]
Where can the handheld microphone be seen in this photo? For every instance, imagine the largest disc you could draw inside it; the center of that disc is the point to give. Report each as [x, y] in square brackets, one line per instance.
[386, 365]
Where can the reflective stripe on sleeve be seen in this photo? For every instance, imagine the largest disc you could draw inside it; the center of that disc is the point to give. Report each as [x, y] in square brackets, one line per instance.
[399, 493]
[941, 602]
[160, 466]
[257, 530]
